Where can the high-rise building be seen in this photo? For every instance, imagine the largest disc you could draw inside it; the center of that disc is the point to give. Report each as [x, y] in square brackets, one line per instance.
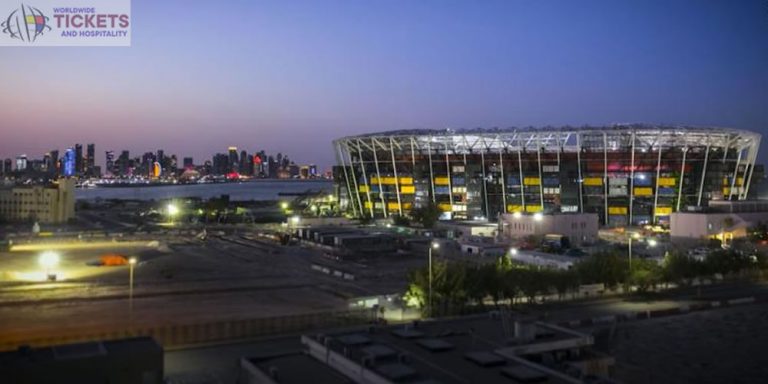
[21, 163]
[79, 165]
[90, 160]
[109, 156]
[7, 166]
[70, 162]
[220, 164]
[189, 163]
[233, 161]
[123, 164]
[312, 171]
[53, 168]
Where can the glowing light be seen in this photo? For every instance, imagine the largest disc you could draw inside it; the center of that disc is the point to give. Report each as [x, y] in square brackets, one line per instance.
[538, 216]
[172, 209]
[295, 219]
[635, 235]
[652, 242]
[435, 245]
[49, 259]
[132, 261]
[513, 251]
[517, 215]
[284, 204]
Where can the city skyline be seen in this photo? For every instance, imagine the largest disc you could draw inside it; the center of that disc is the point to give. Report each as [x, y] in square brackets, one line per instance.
[295, 76]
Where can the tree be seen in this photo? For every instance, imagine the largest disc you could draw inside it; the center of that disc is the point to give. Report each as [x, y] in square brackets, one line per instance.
[603, 267]
[427, 215]
[401, 221]
[645, 274]
[680, 268]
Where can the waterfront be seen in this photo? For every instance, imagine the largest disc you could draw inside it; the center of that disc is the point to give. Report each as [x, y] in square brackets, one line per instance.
[251, 190]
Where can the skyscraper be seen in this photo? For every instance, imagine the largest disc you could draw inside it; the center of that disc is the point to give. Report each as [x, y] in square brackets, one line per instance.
[70, 162]
[53, 168]
[7, 166]
[233, 161]
[21, 163]
[79, 159]
[110, 162]
[90, 160]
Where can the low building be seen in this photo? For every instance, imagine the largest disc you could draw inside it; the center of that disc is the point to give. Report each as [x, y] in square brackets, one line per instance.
[461, 230]
[578, 228]
[135, 360]
[722, 220]
[288, 368]
[49, 204]
[493, 348]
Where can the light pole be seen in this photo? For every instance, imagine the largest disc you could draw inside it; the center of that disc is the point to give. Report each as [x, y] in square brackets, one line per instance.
[131, 265]
[633, 235]
[433, 245]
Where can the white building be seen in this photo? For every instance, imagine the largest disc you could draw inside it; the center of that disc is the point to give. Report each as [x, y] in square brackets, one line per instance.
[579, 228]
[722, 220]
[50, 204]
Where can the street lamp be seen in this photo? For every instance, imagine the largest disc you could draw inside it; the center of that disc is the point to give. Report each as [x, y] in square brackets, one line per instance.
[513, 251]
[131, 265]
[284, 205]
[538, 216]
[173, 210]
[435, 245]
[48, 260]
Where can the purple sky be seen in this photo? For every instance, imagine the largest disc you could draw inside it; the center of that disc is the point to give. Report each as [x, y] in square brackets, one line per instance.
[290, 76]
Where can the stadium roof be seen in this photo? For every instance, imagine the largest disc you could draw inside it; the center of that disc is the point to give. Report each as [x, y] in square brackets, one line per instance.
[646, 135]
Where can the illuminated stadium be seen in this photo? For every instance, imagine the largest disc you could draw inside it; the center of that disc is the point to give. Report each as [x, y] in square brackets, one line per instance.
[627, 174]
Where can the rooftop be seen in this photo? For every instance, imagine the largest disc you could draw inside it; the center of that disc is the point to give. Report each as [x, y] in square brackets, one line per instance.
[486, 349]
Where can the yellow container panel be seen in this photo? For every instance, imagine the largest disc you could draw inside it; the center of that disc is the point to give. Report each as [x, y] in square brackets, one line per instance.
[441, 181]
[388, 180]
[617, 210]
[532, 181]
[512, 208]
[444, 207]
[593, 181]
[667, 182]
[406, 180]
[393, 206]
[407, 189]
[739, 181]
[663, 211]
[533, 208]
[364, 188]
[726, 191]
[367, 205]
[643, 191]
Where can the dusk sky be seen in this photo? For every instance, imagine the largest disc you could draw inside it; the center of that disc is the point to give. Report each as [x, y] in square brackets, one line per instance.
[290, 76]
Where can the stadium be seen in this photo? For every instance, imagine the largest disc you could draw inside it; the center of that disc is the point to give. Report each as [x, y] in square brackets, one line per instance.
[629, 174]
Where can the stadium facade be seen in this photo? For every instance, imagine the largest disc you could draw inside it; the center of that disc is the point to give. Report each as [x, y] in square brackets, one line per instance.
[628, 174]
